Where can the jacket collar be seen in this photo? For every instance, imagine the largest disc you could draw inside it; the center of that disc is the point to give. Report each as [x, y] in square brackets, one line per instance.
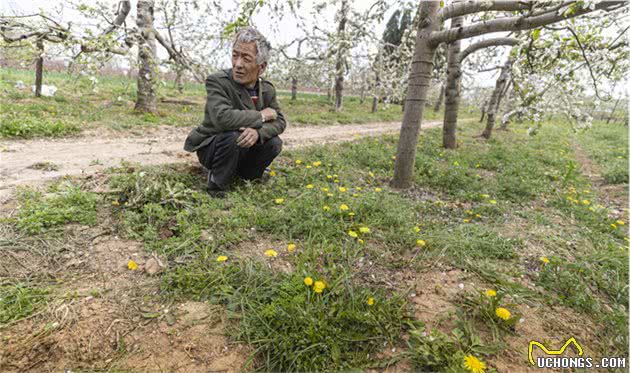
[242, 91]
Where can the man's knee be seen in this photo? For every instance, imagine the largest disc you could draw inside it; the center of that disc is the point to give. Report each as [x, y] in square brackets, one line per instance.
[275, 145]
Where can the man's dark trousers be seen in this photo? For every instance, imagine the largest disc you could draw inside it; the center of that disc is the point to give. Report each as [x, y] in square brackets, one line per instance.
[224, 158]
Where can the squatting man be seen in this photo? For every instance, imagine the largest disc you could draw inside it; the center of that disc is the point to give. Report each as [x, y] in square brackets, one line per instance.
[242, 119]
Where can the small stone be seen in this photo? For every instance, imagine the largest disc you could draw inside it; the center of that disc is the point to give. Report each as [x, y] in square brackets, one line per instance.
[153, 266]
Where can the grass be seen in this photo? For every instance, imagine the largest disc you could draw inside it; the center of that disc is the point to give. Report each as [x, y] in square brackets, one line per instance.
[19, 300]
[607, 145]
[291, 326]
[484, 209]
[41, 212]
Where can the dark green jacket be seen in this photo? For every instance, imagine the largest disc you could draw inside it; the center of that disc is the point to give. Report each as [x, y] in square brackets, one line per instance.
[229, 107]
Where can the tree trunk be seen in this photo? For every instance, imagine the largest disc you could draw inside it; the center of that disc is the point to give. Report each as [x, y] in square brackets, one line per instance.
[179, 80]
[419, 83]
[362, 97]
[451, 93]
[496, 97]
[483, 110]
[374, 104]
[341, 55]
[613, 111]
[507, 112]
[39, 68]
[146, 100]
[294, 82]
[438, 102]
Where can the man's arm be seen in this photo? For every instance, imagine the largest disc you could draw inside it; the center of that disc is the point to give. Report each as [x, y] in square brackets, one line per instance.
[274, 127]
[221, 112]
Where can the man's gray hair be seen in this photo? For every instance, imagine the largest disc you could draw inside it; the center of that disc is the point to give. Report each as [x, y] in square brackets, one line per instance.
[249, 34]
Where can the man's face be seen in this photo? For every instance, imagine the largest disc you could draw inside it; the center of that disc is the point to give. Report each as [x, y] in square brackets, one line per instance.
[245, 70]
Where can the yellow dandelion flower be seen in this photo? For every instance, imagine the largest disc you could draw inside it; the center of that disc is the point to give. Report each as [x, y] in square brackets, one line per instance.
[466, 220]
[359, 189]
[620, 222]
[353, 234]
[544, 259]
[503, 313]
[371, 174]
[586, 202]
[477, 165]
[132, 265]
[455, 163]
[222, 258]
[329, 177]
[477, 215]
[344, 207]
[378, 189]
[319, 286]
[279, 201]
[355, 195]
[336, 180]
[324, 189]
[298, 162]
[360, 241]
[115, 203]
[291, 247]
[272, 173]
[308, 166]
[329, 194]
[416, 229]
[271, 253]
[474, 365]
[364, 230]
[326, 208]
[342, 189]
[308, 281]
[493, 202]
[491, 293]
[351, 214]
[485, 196]
[310, 186]
[614, 226]
[317, 163]
[421, 243]
[370, 301]
[393, 157]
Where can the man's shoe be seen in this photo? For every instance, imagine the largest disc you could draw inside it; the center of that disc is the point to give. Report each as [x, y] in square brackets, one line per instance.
[214, 190]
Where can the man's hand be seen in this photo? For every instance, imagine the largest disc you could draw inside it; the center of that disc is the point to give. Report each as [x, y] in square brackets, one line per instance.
[248, 138]
[268, 114]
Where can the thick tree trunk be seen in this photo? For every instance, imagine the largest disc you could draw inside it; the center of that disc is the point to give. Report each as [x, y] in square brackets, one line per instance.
[39, 68]
[440, 99]
[146, 100]
[496, 97]
[294, 83]
[453, 81]
[341, 55]
[419, 83]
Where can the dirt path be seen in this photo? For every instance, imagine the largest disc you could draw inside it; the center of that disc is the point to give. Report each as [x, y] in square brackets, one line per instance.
[94, 151]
